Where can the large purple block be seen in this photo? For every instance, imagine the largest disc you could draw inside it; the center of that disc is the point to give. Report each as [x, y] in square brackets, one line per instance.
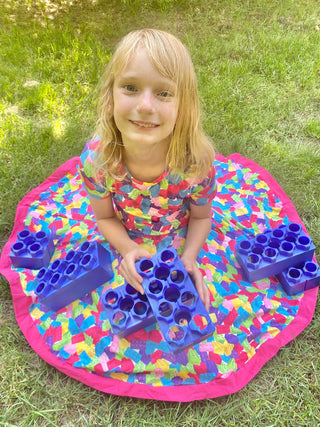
[300, 278]
[273, 251]
[69, 279]
[128, 310]
[178, 309]
[32, 250]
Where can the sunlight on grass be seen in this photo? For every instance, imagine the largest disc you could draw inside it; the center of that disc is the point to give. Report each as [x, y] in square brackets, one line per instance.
[58, 128]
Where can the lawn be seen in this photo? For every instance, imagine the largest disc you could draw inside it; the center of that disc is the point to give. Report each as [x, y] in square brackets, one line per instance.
[258, 66]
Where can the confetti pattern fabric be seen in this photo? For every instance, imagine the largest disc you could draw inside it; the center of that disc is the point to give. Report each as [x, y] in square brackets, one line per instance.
[155, 214]
[253, 320]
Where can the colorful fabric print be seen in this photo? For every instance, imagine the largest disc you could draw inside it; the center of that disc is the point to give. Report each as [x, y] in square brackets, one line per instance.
[150, 211]
[252, 320]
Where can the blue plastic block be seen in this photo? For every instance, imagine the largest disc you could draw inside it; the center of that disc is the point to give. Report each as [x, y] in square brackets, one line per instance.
[300, 278]
[69, 279]
[271, 252]
[32, 250]
[128, 310]
[178, 309]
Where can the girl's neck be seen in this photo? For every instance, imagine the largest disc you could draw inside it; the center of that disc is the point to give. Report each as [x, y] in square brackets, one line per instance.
[146, 164]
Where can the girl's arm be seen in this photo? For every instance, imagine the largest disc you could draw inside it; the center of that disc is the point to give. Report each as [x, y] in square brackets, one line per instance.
[198, 230]
[116, 234]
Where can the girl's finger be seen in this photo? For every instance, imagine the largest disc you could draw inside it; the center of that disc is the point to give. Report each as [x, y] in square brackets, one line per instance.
[130, 274]
[201, 287]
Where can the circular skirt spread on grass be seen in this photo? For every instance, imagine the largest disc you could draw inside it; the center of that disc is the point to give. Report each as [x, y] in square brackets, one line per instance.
[253, 320]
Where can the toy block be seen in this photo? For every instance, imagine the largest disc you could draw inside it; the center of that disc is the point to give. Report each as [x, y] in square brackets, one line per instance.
[300, 278]
[128, 310]
[176, 305]
[69, 279]
[32, 250]
[273, 251]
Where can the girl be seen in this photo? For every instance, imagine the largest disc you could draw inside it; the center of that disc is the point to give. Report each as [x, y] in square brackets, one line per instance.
[149, 175]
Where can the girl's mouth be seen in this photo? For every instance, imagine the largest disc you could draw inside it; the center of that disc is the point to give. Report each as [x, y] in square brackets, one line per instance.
[146, 125]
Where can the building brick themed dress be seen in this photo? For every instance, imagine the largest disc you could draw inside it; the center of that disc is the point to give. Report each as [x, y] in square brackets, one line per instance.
[155, 214]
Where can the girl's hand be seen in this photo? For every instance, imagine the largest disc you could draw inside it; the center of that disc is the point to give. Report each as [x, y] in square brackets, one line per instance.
[197, 278]
[128, 269]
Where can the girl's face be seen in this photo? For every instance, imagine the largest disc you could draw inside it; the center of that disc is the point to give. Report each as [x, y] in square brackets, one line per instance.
[145, 104]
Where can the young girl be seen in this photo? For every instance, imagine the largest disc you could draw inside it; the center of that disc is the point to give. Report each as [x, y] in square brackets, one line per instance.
[149, 175]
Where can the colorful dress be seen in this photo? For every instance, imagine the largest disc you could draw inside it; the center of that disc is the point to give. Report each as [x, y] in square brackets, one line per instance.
[155, 214]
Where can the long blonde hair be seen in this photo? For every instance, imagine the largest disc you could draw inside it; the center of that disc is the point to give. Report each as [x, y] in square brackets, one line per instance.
[189, 146]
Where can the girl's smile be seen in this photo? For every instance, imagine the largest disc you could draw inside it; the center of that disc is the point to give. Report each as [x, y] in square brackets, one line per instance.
[144, 104]
[144, 124]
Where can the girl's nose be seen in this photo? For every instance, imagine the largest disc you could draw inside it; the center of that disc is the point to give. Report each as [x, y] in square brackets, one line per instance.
[146, 102]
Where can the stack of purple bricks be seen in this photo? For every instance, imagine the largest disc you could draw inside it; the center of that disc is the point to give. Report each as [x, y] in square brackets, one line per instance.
[285, 252]
[64, 280]
[170, 299]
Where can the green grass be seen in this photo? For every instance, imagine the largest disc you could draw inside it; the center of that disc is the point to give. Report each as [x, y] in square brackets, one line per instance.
[258, 65]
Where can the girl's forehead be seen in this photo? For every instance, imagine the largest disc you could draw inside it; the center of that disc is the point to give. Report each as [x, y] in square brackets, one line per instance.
[140, 60]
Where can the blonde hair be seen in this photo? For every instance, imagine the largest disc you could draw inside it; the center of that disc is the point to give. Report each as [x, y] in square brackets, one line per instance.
[189, 145]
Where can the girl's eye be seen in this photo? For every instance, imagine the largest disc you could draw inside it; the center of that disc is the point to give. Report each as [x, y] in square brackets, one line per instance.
[130, 88]
[165, 94]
